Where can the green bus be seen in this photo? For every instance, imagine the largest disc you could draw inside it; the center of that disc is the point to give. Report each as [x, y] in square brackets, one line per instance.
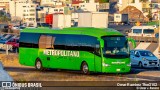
[79, 48]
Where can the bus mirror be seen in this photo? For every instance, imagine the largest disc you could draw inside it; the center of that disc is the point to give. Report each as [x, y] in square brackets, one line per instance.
[132, 41]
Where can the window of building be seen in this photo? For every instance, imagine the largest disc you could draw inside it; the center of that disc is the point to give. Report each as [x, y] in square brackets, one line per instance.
[117, 16]
[60, 9]
[55, 9]
[32, 14]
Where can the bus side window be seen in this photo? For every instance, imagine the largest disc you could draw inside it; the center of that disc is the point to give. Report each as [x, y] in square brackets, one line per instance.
[46, 42]
[97, 49]
[59, 41]
[26, 40]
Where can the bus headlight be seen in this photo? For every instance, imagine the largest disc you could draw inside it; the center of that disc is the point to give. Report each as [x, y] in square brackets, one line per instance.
[106, 65]
[129, 65]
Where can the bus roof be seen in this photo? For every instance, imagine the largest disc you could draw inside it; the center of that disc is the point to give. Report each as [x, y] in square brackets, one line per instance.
[90, 31]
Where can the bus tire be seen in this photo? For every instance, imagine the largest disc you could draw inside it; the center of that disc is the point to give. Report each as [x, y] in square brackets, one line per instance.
[38, 65]
[84, 68]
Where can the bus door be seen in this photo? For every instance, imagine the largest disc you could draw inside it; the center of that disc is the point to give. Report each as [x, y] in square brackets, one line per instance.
[98, 58]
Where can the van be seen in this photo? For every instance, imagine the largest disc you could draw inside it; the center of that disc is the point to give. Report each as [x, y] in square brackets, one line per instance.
[143, 31]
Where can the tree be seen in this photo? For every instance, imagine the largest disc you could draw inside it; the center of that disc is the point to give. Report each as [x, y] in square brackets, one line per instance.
[149, 15]
[3, 17]
[103, 1]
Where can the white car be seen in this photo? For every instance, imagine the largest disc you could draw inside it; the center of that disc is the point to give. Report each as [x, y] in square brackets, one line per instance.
[144, 58]
[4, 76]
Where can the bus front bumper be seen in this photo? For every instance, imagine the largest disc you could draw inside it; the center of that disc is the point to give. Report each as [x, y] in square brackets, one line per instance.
[125, 68]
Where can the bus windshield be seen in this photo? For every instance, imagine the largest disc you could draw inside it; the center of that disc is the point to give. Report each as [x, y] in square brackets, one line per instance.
[115, 47]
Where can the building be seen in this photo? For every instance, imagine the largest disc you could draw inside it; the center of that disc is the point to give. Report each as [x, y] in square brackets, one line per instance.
[92, 7]
[50, 2]
[155, 9]
[136, 4]
[141, 5]
[146, 8]
[29, 12]
[41, 16]
[4, 4]
[51, 10]
[23, 10]
[75, 4]
[122, 4]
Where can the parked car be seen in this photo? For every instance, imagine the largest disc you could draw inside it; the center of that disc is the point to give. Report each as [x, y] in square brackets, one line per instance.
[15, 28]
[143, 31]
[22, 27]
[5, 39]
[14, 42]
[3, 35]
[144, 58]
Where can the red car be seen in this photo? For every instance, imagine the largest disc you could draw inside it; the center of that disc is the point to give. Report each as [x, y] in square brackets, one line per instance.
[14, 42]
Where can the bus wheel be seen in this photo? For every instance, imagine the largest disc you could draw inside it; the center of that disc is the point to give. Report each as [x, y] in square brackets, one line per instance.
[85, 69]
[38, 65]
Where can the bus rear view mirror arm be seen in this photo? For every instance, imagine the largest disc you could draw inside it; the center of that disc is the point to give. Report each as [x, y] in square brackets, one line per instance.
[132, 41]
[101, 43]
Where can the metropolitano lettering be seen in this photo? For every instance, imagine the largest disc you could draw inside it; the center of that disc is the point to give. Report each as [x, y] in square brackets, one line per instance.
[61, 53]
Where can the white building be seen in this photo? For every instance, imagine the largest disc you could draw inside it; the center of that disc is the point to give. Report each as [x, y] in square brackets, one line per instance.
[53, 2]
[51, 10]
[49, 2]
[93, 7]
[136, 3]
[155, 10]
[122, 4]
[4, 4]
[29, 12]
[23, 10]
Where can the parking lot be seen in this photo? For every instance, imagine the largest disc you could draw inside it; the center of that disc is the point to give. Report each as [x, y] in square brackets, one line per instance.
[9, 42]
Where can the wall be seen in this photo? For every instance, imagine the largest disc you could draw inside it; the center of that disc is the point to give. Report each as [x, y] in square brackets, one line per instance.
[93, 7]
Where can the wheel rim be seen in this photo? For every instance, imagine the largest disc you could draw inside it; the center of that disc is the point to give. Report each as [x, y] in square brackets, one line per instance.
[38, 65]
[85, 68]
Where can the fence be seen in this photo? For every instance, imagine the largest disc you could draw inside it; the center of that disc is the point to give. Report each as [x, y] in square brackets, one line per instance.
[144, 39]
